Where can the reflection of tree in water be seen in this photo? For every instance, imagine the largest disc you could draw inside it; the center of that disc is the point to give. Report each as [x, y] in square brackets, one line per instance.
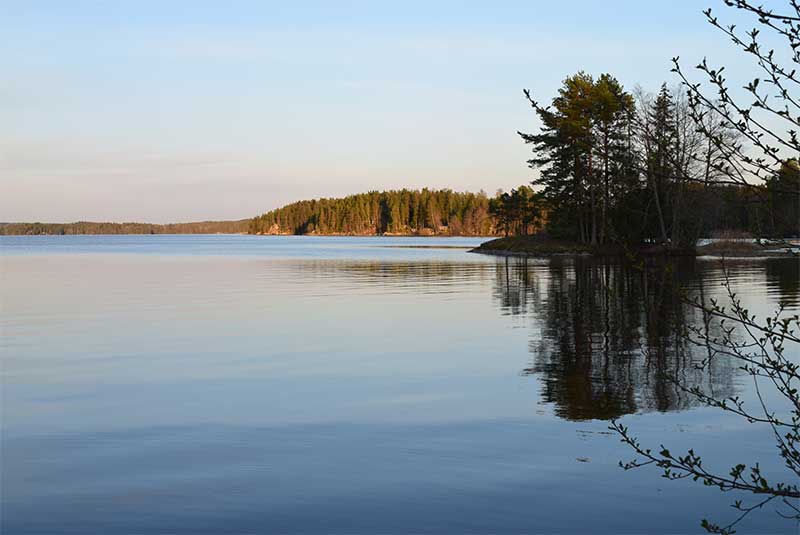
[784, 275]
[609, 335]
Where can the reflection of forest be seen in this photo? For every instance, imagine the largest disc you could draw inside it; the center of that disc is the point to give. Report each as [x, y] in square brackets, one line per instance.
[605, 336]
[609, 334]
[784, 276]
[418, 276]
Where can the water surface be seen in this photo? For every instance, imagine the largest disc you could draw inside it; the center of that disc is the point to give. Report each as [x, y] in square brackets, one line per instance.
[241, 384]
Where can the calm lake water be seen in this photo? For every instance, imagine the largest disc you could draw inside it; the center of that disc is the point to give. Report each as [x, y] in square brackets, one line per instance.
[242, 384]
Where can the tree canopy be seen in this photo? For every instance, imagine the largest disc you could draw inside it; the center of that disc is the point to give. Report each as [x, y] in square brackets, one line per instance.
[423, 212]
[633, 168]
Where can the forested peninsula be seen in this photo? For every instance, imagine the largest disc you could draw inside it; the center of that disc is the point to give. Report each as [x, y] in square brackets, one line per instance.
[397, 212]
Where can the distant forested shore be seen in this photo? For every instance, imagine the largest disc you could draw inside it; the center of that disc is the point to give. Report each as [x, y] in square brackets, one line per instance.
[89, 227]
[397, 212]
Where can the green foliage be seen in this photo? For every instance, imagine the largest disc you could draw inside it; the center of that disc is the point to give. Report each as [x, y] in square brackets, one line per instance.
[518, 212]
[423, 212]
[618, 170]
[584, 155]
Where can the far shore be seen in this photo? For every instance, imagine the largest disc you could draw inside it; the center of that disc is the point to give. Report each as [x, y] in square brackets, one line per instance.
[309, 235]
[384, 235]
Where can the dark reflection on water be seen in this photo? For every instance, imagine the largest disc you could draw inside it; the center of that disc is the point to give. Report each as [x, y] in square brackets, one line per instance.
[607, 337]
[784, 275]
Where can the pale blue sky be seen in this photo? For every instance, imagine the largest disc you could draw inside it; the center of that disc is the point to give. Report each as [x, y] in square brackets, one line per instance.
[174, 111]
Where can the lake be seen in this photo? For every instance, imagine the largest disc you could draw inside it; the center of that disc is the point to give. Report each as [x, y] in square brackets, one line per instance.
[250, 384]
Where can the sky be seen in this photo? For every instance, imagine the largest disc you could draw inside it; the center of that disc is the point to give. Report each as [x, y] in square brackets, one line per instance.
[166, 111]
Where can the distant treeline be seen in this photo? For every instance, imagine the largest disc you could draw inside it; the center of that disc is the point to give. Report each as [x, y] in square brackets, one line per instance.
[418, 212]
[88, 227]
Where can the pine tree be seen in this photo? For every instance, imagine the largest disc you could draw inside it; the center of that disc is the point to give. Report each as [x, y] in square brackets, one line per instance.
[582, 153]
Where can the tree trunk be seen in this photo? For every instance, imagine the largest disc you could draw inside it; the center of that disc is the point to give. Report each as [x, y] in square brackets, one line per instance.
[660, 213]
[604, 220]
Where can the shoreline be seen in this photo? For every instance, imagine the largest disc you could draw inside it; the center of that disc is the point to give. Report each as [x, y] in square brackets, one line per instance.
[385, 235]
[539, 247]
[733, 255]
[441, 236]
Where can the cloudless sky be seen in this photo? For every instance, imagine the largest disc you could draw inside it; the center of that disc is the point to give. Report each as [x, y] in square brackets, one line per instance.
[175, 111]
